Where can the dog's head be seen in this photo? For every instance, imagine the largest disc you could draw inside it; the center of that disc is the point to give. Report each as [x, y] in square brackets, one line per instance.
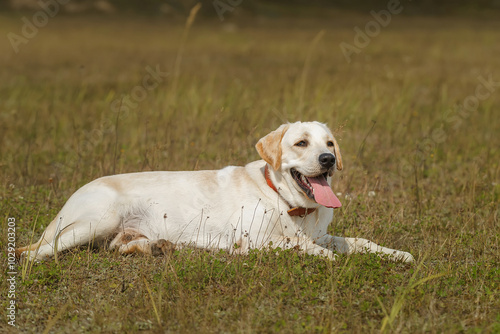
[304, 157]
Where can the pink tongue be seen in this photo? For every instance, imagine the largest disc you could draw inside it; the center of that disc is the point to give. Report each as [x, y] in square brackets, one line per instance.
[323, 193]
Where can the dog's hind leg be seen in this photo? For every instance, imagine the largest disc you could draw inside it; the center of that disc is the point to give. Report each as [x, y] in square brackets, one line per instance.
[70, 230]
[56, 239]
[90, 215]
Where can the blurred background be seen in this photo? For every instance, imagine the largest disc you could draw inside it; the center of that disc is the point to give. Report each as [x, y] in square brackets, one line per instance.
[91, 88]
[78, 79]
[274, 8]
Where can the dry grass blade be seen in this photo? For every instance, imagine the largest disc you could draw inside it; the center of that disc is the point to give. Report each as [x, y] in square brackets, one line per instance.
[155, 308]
[178, 59]
[307, 66]
[192, 15]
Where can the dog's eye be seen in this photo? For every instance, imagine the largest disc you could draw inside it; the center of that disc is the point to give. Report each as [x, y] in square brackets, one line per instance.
[301, 143]
[330, 143]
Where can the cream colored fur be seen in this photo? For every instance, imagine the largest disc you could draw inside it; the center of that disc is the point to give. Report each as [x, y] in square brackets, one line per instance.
[232, 208]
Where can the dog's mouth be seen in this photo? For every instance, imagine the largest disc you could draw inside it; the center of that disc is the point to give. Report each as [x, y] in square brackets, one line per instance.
[317, 188]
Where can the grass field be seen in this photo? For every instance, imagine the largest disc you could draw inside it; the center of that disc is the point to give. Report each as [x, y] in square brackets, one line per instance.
[418, 125]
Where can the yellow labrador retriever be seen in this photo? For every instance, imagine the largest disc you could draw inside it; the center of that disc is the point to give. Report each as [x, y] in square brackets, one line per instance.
[284, 200]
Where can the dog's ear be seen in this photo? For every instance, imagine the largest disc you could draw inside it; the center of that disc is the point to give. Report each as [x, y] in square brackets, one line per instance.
[338, 156]
[269, 147]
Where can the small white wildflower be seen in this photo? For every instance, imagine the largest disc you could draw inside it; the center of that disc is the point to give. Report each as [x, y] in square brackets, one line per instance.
[339, 194]
[371, 193]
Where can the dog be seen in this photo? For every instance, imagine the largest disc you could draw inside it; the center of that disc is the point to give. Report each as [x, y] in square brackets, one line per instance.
[284, 200]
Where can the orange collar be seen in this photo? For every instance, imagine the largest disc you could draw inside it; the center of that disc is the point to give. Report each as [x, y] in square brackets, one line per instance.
[293, 211]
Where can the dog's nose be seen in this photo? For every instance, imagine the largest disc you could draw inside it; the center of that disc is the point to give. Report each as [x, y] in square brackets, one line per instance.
[327, 160]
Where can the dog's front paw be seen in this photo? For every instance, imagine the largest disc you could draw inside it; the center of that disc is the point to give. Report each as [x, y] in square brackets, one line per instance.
[405, 257]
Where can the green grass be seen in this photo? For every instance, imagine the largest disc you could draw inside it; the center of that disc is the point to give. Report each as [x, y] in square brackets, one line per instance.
[437, 200]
